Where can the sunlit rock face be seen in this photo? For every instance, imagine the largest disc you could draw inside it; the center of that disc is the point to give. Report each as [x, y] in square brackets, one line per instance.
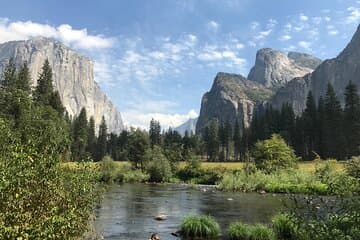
[231, 98]
[338, 71]
[274, 68]
[73, 76]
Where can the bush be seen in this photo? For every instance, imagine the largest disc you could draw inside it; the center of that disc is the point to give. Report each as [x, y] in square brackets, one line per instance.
[285, 227]
[107, 169]
[273, 154]
[129, 175]
[352, 167]
[239, 231]
[261, 232]
[158, 167]
[204, 227]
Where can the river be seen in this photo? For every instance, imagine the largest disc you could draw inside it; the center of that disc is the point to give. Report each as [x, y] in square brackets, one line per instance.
[127, 211]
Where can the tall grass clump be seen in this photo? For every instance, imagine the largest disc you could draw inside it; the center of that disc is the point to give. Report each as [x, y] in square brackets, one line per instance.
[285, 227]
[107, 169]
[352, 167]
[203, 227]
[239, 231]
[261, 232]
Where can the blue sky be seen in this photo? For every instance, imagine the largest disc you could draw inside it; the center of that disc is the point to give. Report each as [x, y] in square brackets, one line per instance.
[156, 58]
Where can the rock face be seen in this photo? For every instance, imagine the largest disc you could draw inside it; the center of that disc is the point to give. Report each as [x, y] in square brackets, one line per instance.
[338, 71]
[232, 97]
[73, 77]
[274, 68]
[189, 126]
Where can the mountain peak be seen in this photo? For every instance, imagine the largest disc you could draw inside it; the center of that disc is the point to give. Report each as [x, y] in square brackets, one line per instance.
[274, 68]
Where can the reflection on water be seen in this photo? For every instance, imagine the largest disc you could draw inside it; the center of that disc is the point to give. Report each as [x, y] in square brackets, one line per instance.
[127, 211]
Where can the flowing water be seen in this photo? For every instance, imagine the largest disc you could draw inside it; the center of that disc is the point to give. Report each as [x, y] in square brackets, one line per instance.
[127, 211]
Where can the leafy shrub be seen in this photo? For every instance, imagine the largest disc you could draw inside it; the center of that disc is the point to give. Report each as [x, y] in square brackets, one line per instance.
[239, 231]
[285, 227]
[261, 232]
[107, 169]
[38, 199]
[203, 227]
[158, 167]
[129, 175]
[273, 154]
[324, 171]
[352, 167]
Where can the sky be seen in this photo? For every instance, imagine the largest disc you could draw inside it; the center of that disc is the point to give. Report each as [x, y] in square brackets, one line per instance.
[156, 58]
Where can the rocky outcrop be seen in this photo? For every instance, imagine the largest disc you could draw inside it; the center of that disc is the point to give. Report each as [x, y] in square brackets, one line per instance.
[73, 77]
[338, 71]
[189, 126]
[274, 68]
[232, 97]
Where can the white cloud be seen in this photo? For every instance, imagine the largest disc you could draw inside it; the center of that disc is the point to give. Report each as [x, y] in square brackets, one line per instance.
[263, 34]
[213, 26]
[140, 119]
[354, 15]
[327, 19]
[333, 32]
[285, 38]
[303, 17]
[78, 38]
[305, 45]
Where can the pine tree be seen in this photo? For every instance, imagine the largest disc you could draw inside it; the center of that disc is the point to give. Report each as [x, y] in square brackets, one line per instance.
[24, 79]
[56, 104]
[101, 145]
[154, 133]
[237, 140]
[9, 76]
[333, 138]
[310, 124]
[80, 134]
[91, 138]
[320, 120]
[211, 139]
[352, 120]
[44, 89]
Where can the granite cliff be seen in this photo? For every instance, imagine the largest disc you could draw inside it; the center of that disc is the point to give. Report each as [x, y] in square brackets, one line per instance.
[73, 77]
[338, 71]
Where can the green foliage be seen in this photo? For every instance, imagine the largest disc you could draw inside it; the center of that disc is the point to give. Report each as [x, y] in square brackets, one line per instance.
[107, 169]
[101, 145]
[239, 231]
[157, 165]
[38, 199]
[285, 181]
[261, 232]
[138, 144]
[203, 227]
[44, 89]
[273, 154]
[352, 167]
[285, 227]
[154, 132]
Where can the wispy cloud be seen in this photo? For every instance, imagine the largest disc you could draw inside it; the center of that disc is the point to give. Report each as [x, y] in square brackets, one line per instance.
[213, 26]
[353, 15]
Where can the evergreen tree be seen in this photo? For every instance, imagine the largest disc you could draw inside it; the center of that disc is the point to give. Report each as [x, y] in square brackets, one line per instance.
[237, 140]
[44, 89]
[56, 104]
[310, 127]
[9, 76]
[352, 120]
[101, 146]
[320, 120]
[154, 132]
[333, 138]
[138, 144]
[91, 138]
[24, 79]
[80, 136]
[211, 139]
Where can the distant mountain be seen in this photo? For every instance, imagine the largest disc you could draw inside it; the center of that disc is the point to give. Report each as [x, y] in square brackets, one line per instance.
[274, 68]
[338, 71]
[232, 97]
[189, 125]
[73, 77]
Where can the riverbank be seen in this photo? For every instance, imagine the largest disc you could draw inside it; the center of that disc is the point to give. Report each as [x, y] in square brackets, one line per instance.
[317, 177]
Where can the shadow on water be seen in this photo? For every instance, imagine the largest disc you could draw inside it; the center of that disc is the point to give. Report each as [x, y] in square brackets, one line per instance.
[127, 211]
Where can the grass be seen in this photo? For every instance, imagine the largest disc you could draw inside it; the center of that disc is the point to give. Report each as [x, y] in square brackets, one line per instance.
[241, 231]
[199, 227]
